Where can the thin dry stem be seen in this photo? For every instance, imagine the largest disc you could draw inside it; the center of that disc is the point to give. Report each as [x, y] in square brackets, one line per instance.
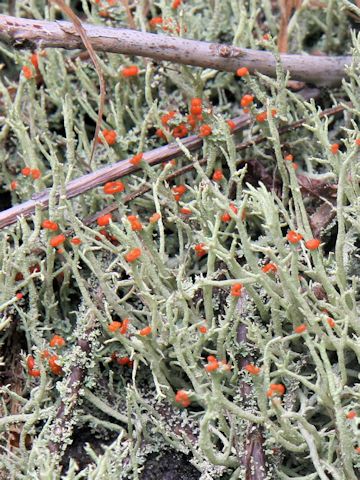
[87, 44]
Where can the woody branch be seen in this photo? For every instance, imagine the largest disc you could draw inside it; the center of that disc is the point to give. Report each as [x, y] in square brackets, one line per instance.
[124, 167]
[106, 174]
[28, 33]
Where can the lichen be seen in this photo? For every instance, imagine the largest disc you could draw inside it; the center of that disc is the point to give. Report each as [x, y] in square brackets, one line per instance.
[232, 231]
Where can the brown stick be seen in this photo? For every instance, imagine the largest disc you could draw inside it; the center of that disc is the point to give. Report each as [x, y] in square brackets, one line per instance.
[106, 174]
[120, 169]
[28, 33]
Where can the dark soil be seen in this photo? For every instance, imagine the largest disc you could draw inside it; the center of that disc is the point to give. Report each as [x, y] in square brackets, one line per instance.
[169, 466]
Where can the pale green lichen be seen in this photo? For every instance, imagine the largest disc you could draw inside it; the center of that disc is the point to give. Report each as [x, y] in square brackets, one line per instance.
[132, 411]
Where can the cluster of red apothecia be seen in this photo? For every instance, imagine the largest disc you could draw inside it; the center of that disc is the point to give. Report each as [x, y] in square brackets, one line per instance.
[57, 241]
[56, 342]
[194, 121]
[122, 328]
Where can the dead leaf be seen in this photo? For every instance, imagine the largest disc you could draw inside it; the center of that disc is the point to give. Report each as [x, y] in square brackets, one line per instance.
[321, 218]
[14, 440]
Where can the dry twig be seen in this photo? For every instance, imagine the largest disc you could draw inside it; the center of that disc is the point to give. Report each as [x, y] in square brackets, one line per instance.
[106, 174]
[124, 167]
[28, 33]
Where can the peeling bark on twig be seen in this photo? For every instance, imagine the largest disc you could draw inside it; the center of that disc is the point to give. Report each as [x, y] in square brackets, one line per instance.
[27, 33]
